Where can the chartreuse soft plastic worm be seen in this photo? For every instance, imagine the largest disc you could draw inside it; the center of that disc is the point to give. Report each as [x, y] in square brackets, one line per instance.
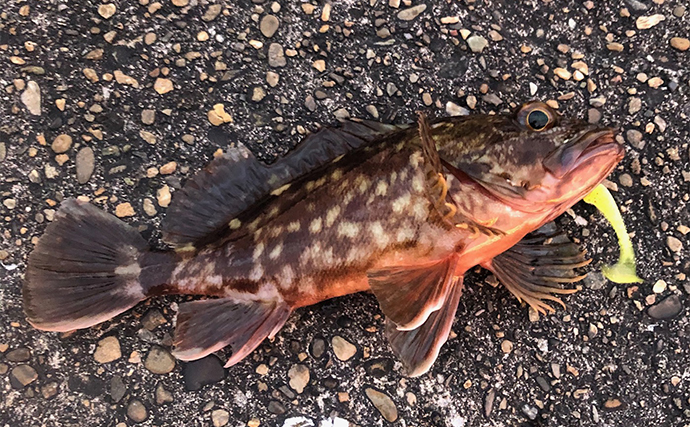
[624, 270]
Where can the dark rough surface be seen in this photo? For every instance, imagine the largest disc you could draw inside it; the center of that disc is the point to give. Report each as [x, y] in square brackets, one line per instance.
[603, 361]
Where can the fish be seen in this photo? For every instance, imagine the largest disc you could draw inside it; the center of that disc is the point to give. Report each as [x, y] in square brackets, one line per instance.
[401, 211]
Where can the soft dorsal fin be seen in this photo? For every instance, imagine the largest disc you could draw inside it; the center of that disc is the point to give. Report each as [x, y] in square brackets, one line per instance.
[235, 182]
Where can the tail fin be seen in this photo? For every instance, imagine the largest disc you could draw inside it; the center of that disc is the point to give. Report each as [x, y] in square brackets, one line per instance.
[84, 270]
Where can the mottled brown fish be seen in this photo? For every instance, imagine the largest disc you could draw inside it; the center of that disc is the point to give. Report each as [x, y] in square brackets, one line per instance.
[402, 210]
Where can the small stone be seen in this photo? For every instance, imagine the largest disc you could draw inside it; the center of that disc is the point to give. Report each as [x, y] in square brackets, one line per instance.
[562, 73]
[49, 390]
[117, 388]
[148, 137]
[507, 346]
[668, 308]
[150, 38]
[153, 318]
[10, 203]
[634, 137]
[148, 117]
[276, 56]
[168, 168]
[23, 375]
[615, 47]
[31, 98]
[162, 86]
[136, 411]
[159, 360]
[646, 22]
[3, 151]
[180, 3]
[341, 114]
[124, 79]
[659, 287]
[655, 82]
[108, 350]
[477, 43]
[680, 43]
[218, 116]
[107, 10]
[634, 105]
[258, 94]
[679, 11]
[212, 12]
[320, 65]
[163, 196]
[276, 407]
[123, 210]
[162, 395]
[342, 348]
[626, 180]
[411, 13]
[220, 417]
[85, 163]
[383, 404]
[674, 244]
[202, 372]
[61, 143]
[454, 109]
[21, 354]
[269, 25]
[299, 377]
[272, 78]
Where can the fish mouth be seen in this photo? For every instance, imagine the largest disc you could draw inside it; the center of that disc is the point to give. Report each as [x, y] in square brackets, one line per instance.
[592, 145]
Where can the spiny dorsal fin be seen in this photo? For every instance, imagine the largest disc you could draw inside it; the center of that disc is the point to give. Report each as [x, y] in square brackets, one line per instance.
[235, 182]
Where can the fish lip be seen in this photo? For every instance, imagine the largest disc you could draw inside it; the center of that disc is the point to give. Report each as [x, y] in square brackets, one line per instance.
[594, 143]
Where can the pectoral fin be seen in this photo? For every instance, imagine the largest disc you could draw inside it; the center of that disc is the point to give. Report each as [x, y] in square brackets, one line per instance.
[419, 348]
[531, 268]
[408, 295]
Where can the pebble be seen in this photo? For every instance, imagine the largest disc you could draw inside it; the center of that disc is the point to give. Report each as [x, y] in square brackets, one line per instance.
[163, 196]
[507, 346]
[123, 210]
[320, 65]
[49, 390]
[276, 56]
[646, 22]
[3, 151]
[454, 109]
[615, 47]
[159, 361]
[258, 94]
[136, 411]
[477, 43]
[148, 137]
[269, 25]
[212, 12]
[343, 349]
[667, 308]
[299, 377]
[199, 373]
[23, 375]
[411, 13]
[659, 287]
[180, 3]
[383, 403]
[85, 163]
[107, 10]
[626, 180]
[148, 117]
[680, 43]
[118, 389]
[162, 395]
[31, 98]
[61, 143]
[162, 86]
[168, 168]
[634, 137]
[272, 78]
[674, 244]
[108, 350]
[276, 407]
[634, 105]
[220, 417]
[217, 116]
[21, 354]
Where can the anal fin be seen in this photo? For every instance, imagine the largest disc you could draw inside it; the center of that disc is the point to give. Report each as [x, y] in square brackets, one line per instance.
[408, 295]
[533, 268]
[209, 325]
[419, 348]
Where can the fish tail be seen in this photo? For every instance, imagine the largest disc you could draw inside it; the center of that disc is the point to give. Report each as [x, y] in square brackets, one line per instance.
[87, 268]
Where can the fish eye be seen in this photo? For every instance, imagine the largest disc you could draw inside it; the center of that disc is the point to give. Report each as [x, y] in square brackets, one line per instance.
[537, 120]
[536, 116]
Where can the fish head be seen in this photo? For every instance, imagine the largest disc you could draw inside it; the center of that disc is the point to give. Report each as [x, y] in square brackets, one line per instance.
[533, 159]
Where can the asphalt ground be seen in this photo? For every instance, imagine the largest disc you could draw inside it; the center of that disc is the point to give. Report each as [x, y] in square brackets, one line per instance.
[126, 89]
